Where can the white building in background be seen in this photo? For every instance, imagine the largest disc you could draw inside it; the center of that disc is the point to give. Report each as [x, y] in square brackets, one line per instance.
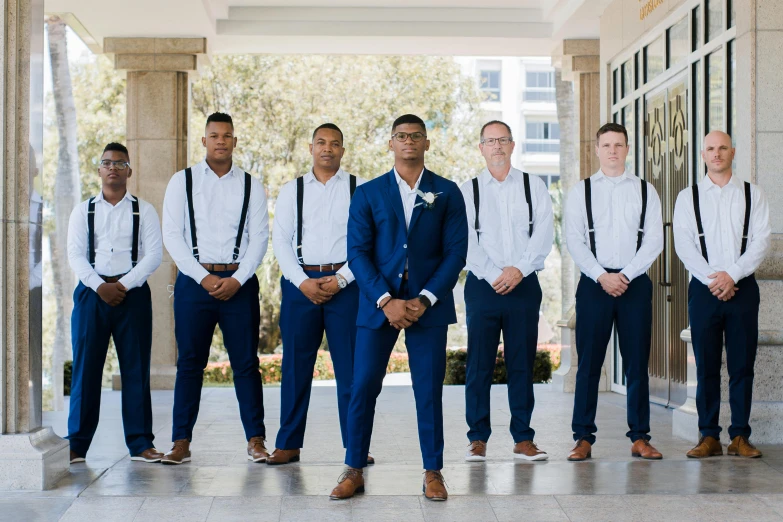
[521, 93]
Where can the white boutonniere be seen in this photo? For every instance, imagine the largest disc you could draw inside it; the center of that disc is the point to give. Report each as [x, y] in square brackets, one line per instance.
[427, 199]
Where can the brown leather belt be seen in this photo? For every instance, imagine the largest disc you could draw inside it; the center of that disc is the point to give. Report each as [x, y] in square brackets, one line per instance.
[405, 276]
[218, 267]
[333, 267]
[112, 279]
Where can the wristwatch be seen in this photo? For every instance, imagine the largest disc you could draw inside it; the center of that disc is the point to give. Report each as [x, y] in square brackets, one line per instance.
[341, 282]
[425, 301]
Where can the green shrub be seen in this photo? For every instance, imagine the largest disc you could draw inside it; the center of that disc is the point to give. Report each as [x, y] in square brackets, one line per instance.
[456, 361]
[67, 376]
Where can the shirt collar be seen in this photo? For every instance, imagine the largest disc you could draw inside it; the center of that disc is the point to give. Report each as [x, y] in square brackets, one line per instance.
[127, 196]
[207, 169]
[401, 181]
[340, 175]
[600, 175]
[706, 183]
[486, 176]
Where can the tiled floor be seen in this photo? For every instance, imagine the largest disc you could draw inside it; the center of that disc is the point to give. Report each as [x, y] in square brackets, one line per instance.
[221, 485]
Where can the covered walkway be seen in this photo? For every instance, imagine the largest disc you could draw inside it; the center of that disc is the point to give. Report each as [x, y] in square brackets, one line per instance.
[221, 485]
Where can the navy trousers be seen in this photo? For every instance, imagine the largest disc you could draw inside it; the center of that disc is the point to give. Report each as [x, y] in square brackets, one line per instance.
[302, 325]
[195, 315]
[130, 325]
[427, 359]
[516, 316]
[596, 313]
[738, 320]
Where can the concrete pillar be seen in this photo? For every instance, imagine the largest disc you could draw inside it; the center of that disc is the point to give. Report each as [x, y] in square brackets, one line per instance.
[759, 143]
[578, 61]
[31, 457]
[157, 136]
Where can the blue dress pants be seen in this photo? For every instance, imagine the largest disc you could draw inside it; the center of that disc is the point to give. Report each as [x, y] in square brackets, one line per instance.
[93, 323]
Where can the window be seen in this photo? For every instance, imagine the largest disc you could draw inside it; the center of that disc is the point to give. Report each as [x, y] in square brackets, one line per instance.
[696, 29]
[678, 42]
[539, 86]
[490, 84]
[653, 59]
[696, 103]
[715, 91]
[732, 14]
[627, 78]
[548, 178]
[542, 137]
[714, 18]
[628, 122]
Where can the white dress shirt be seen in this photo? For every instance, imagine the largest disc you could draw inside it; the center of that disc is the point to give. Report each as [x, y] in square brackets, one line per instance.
[504, 225]
[324, 225]
[217, 205]
[408, 196]
[617, 208]
[723, 218]
[113, 242]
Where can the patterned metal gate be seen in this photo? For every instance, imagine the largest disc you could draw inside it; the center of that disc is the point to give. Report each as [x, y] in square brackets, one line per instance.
[667, 168]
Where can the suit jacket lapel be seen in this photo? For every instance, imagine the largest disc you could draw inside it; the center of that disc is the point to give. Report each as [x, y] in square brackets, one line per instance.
[393, 192]
[425, 186]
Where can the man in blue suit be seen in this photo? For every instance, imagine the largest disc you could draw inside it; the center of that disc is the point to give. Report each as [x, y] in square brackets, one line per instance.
[407, 243]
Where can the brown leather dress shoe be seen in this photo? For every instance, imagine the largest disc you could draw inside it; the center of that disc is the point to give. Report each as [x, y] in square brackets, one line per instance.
[350, 482]
[707, 447]
[582, 451]
[642, 448]
[370, 459]
[148, 455]
[434, 486]
[178, 454]
[741, 447]
[75, 457]
[256, 450]
[281, 456]
[477, 451]
[527, 450]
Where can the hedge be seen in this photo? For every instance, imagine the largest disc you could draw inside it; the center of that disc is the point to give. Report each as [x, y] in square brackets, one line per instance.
[457, 359]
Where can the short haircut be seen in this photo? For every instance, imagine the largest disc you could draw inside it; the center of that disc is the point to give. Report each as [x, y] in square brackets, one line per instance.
[331, 126]
[409, 118]
[611, 127]
[118, 147]
[220, 117]
[497, 122]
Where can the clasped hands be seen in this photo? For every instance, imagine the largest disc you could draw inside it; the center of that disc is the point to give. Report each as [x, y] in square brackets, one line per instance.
[221, 288]
[401, 313]
[722, 286]
[320, 290]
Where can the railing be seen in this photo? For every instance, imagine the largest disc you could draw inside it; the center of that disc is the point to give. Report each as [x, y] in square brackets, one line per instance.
[539, 94]
[541, 146]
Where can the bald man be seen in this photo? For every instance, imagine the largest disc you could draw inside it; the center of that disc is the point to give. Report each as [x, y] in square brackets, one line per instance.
[721, 234]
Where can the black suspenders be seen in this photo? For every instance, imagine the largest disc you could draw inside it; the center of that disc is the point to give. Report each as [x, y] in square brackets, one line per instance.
[528, 200]
[191, 214]
[700, 228]
[300, 210]
[591, 225]
[91, 231]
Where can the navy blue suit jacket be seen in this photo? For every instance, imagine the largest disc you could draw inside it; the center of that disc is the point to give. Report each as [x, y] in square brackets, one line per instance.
[435, 246]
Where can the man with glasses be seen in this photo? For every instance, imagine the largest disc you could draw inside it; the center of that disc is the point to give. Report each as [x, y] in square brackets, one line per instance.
[216, 229]
[114, 245]
[407, 243]
[614, 232]
[510, 235]
[319, 294]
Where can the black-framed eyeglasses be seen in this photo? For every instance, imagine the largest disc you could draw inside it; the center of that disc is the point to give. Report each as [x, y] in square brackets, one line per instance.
[403, 136]
[118, 165]
[505, 140]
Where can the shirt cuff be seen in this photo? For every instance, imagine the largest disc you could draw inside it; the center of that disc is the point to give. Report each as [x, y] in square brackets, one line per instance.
[94, 281]
[381, 298]
[430, 296]
[242, 275]
[735, 272]
[596, 272]
[525, 267]
[347, 274]
[493, 275]
[627, 273]
[201, 273]
[128, 282]
[299, 278]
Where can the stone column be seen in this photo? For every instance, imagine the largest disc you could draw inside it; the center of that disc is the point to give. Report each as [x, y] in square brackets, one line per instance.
[31, 457]
[157, 136]
[759, 142]
[578, 61]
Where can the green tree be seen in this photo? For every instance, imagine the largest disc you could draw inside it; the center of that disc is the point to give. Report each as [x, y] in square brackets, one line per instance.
[277, 101]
